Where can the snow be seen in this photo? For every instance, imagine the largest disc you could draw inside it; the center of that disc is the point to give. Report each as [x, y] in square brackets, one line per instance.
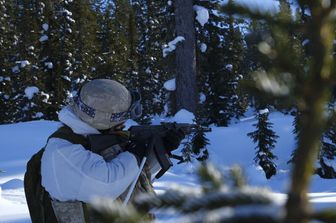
[305, 42]
[229, 146]
[70, 19]
[67, 12]
[50, 65]
[170, 85]
[39, 115]
[203, 47]
[184, 116]
[30, 91]
[202, 97]
[171, 46]
[45, 27]
[67, 78]
[16, 69]
[148, 70]
[229, 67]
[14, 156]
[202, 14]
[46, 97]
[23, 63]
[43, 38]
[12, 184]
[263, 111]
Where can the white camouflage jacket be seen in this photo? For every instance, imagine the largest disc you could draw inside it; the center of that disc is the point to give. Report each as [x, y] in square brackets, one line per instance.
[72, 173]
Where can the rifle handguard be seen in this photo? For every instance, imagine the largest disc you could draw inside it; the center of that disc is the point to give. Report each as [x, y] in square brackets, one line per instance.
[153, 134]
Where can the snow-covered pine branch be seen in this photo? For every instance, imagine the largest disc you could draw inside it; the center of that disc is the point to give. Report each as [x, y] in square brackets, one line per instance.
[171, 46]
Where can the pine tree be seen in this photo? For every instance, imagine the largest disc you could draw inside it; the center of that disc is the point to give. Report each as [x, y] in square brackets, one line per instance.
[296, 129]
[199, 146]
[84, 43]
[153, 20]
[131, 37]
[117, 58]
[260, 33]
[111, 59]
[5, 51]
[265, 138]
[56, 57]
[195, 146]
[126, 29]
[26, 67]
[220, 57]
[327, 154]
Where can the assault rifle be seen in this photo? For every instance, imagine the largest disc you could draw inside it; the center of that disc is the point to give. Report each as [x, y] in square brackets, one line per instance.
[151, 135]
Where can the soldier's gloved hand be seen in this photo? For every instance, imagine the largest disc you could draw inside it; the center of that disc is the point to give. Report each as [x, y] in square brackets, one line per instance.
[173, 139]
[139, 150]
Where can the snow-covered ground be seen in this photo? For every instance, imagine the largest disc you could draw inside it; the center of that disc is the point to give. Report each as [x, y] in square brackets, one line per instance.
[229, 146]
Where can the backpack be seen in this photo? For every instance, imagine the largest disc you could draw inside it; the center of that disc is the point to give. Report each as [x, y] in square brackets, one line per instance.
[38, 199]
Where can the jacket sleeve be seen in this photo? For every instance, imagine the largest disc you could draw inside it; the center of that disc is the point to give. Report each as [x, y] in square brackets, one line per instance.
[80, 174]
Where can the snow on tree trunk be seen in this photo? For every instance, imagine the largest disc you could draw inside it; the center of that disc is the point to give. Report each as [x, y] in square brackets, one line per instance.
[185, 56]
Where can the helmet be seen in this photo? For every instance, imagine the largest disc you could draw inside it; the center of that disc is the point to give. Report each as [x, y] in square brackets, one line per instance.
[104, 103]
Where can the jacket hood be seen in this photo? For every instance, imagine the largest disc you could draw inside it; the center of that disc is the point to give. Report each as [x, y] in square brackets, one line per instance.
[68, 117]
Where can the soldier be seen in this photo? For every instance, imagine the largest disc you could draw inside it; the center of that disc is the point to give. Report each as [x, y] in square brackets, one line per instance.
[71, 174]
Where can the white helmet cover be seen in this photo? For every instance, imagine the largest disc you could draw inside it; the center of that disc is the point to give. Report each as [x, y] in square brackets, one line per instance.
[102, 103]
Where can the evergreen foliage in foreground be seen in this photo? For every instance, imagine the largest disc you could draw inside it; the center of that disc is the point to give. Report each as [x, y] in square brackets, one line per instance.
[305, 81]
[233, 202]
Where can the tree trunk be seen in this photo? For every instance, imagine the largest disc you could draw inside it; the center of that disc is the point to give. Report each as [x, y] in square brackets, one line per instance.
[186, 89]
[316, 96]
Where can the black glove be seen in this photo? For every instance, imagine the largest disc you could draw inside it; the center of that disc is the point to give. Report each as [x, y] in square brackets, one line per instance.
[173, 139]
[138, 149]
